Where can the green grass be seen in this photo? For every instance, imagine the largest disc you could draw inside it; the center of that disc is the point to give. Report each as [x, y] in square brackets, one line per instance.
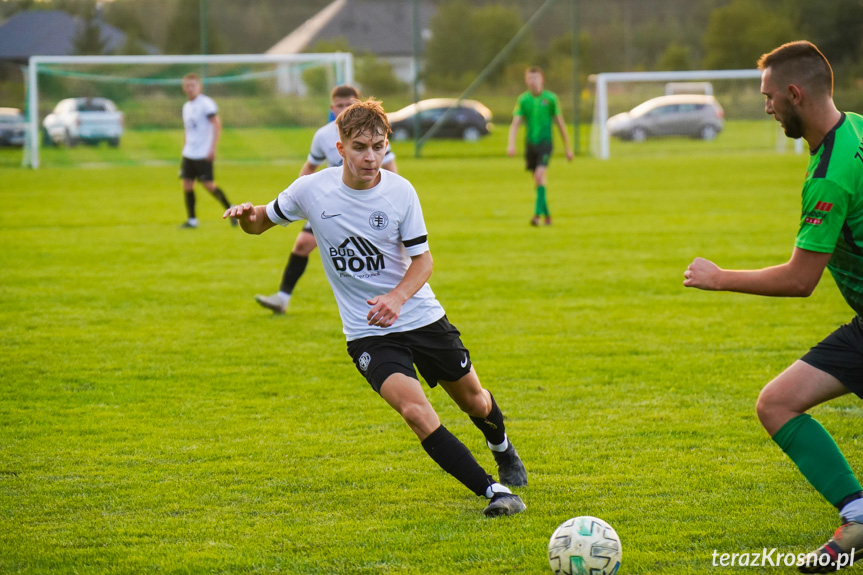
[154, 419]
[286, 146]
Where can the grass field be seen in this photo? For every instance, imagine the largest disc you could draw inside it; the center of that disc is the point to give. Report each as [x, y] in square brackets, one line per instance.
[154, 419]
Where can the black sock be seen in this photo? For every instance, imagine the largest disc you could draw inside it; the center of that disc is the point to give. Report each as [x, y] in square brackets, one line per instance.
[190, 204]
[220, 195]
[295, 268]
[491, 425]
[455, 458]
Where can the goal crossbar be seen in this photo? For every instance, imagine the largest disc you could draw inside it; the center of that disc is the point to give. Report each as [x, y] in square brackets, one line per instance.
[342, 60]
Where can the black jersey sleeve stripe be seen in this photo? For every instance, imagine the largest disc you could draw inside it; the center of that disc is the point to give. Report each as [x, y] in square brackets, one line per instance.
[415, 241]
[213, 115]
[829, 140]
[278, 210]
[848, 235]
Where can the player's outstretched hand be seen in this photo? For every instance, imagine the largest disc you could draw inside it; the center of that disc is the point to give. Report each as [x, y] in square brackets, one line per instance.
[702, 274]
[244, 211]
[385, 310]
[510, 151]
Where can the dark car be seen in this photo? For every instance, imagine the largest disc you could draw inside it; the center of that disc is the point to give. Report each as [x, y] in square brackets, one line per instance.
[12, 127]
[468, 119]
[692, 115]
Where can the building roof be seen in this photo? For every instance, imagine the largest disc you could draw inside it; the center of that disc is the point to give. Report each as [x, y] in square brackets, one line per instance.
[380, 27]
[48, 33]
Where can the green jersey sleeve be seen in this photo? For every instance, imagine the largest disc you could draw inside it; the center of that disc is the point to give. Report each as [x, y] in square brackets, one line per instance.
[825, 207]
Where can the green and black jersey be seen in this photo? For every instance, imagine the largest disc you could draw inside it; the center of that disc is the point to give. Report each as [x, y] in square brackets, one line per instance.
[832, 218]
[539, 113]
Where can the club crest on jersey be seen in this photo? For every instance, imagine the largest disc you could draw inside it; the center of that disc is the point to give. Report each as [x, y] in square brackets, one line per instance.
[364, 360]
[379, 221]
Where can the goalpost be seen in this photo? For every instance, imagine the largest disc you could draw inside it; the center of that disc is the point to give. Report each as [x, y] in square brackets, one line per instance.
[148, 81]
[747, 127]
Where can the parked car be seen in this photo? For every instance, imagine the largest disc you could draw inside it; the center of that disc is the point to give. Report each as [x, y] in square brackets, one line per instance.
[469, 119]
[693, 115]
[88, 120]
[13, 126]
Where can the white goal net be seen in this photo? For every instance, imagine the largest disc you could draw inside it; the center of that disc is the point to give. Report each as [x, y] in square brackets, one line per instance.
[127, 109]
[643, 113]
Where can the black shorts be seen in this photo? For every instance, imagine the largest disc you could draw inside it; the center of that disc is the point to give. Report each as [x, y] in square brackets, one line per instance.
[536, 155]
[436, 350]
[307, 227]
[201, 170]
[841, 355]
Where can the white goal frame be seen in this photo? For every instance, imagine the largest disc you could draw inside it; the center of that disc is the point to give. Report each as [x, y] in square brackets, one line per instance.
[602, 80]
[343, 62]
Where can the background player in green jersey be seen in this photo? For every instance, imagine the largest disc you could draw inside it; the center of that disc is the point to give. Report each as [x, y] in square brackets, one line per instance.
[797, 82]
[538, 108]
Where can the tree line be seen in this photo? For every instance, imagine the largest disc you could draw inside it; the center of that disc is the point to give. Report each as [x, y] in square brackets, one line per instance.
[465, 35]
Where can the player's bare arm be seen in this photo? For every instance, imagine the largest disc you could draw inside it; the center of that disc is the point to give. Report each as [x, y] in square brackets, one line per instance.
[217, 129]
[795, 278]
[563, 136]
[253, 219]
[513, 132]
[386, 308]
[308, 168]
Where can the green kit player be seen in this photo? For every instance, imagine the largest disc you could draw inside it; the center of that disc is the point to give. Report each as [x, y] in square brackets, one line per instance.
[797, 82]
[538, 108]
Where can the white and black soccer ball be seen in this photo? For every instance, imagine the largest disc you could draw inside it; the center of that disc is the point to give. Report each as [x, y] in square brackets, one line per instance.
[584, 546]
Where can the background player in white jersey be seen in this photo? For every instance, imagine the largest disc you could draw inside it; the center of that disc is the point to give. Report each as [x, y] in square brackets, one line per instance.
[373, 243]
[323, 150]
[200, 137]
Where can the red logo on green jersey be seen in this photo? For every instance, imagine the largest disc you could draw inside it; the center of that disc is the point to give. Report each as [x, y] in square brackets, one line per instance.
[816, 216]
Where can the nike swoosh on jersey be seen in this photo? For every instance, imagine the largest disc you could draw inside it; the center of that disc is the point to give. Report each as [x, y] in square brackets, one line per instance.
[326, 216]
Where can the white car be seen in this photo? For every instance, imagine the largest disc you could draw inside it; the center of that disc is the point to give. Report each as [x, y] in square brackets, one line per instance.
[89, 120]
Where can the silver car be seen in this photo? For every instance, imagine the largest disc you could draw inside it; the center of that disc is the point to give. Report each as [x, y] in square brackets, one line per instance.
[12, 127]
[692, 115]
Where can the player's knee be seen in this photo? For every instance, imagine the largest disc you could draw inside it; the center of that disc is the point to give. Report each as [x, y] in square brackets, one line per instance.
[769, 406]
[417, 415]
[304, 245]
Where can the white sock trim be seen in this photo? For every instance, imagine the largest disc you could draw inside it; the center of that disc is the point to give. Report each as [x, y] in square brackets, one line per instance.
[495, 488]
[499, 448]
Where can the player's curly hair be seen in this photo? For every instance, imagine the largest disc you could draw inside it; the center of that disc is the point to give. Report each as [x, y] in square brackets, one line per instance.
[367, 116]
[800, 63]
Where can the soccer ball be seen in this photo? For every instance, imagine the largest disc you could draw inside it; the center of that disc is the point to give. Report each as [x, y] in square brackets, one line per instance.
[584, 546]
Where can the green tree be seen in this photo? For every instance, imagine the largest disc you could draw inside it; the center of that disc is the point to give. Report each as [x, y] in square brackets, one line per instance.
[737, 34]
[184, 31]
[676, 57]
[465, 40]
[88, 38]
[123, 16]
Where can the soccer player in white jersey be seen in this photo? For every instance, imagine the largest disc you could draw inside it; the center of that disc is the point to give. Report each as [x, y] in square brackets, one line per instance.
[323, 150]
[373, 243]
[200, 136]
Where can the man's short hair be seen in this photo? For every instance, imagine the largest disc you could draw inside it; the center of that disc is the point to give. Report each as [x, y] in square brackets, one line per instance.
[192, 76]
[363, 117]
[800, 63]
[534, 70]
[345, 91]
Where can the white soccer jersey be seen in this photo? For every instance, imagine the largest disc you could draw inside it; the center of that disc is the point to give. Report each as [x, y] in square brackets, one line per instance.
[366, 239]
[324, 147]
[199, 129]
